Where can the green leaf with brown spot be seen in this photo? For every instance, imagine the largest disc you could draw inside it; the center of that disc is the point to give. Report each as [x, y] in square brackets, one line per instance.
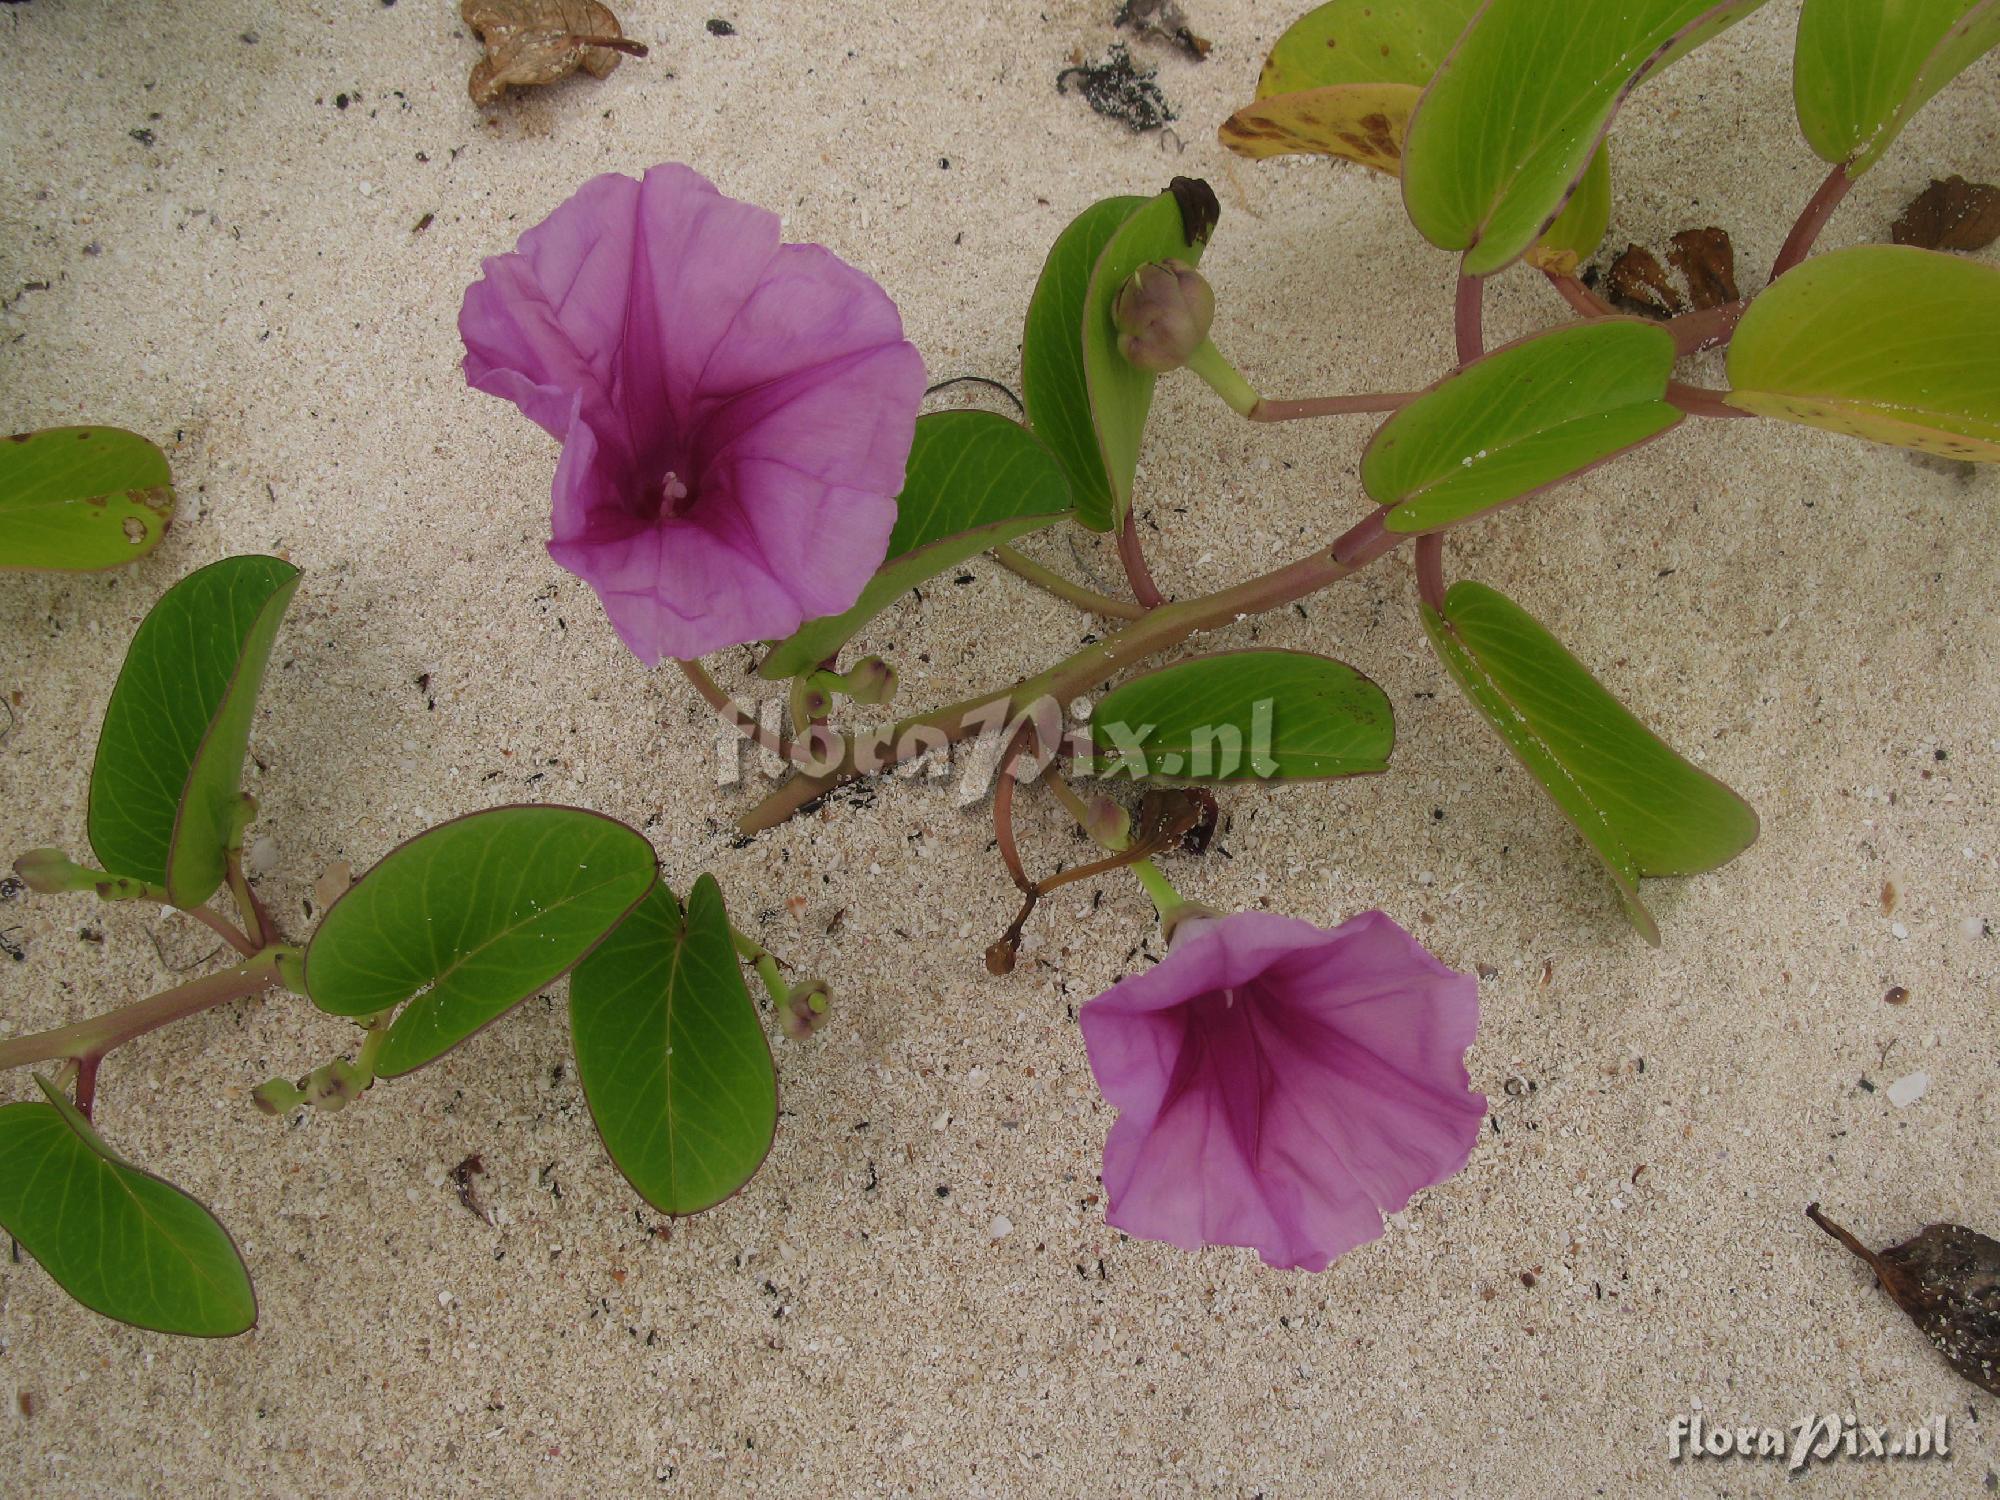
[1885, 342]
[1643, 809]
[1343, 80]
[77, 499]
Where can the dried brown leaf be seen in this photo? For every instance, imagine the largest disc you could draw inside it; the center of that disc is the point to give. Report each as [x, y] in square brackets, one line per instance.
[1707, 262]
[1948, 1280]
[1637, 281]
[1163, 19]
[1950, 215]
[532, 42]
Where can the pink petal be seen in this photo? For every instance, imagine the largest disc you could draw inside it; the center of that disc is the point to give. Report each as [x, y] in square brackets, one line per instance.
[658, 326]
[1290, 1114]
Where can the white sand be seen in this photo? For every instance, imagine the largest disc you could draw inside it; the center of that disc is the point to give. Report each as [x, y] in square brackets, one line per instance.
[1810, 618]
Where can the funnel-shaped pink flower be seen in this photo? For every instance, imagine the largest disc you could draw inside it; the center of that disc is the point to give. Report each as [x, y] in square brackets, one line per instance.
[1281, 1086]
[735, 413]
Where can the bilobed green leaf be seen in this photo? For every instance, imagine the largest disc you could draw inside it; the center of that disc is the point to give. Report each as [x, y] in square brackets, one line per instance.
[1241, 716]
[974, 481]
[672, 1057]
[1052, 379]
[1885, 342]
[1862, 68]
[466, 921]
[76, 499]
[1526, 416]
[1343, 80]
[164, 797]
[1506, 130]
[1121, 394]
[119, 1240]
[1642, 809]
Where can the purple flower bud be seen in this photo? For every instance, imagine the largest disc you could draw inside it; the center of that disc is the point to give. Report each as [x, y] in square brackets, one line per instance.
[1163, 315]
[806, 1008]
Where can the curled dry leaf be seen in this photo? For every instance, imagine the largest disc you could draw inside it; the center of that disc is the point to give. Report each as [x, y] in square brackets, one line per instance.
[1948, 1280]
[1707, 262]
[1163, 19]
[1637, 281]
[1950, 215]
[532, 42]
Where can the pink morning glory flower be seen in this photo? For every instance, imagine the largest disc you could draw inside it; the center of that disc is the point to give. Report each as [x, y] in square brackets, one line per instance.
[735, 413]
[1282, 1086]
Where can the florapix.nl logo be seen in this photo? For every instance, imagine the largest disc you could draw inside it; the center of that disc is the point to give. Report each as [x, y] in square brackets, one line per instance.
[1811, 1439]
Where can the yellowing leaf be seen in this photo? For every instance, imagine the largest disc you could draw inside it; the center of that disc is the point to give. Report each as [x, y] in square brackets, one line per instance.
[1885, 342]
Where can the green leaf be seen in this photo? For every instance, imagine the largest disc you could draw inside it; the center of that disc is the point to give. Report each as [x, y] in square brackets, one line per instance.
[673, 1061]
[164, 798]
[1862, 68]
[1525, 417]
[1343, 80]
[1642, 809]
[1121, 394]
[1241, 716]
[1579, 229]
[1052, 379]
[1886, 342]
[1364, 41]
[1508, 126]
[466, 921]
[119, 1240]
[76, 499]
[1084, 399]
[975, 480]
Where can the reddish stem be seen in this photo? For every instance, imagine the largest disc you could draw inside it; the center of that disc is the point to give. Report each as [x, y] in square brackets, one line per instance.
[735, 718]
[1469, 318]
[1700, 401]
[225, 927]
[1812, 219]
[1580, 297]
[86, 1082]
[1129, 553]
[1161, 630]
[1706, 328]
[1430, 570]
[1003, 813]
[102, 1034]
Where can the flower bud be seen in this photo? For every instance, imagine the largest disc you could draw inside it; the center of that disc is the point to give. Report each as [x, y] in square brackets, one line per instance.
[1107, 822]
[806, 1008]
[277, 1096]
[50, 872]
[1163, 315]
[812, 699]
[871, 681]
